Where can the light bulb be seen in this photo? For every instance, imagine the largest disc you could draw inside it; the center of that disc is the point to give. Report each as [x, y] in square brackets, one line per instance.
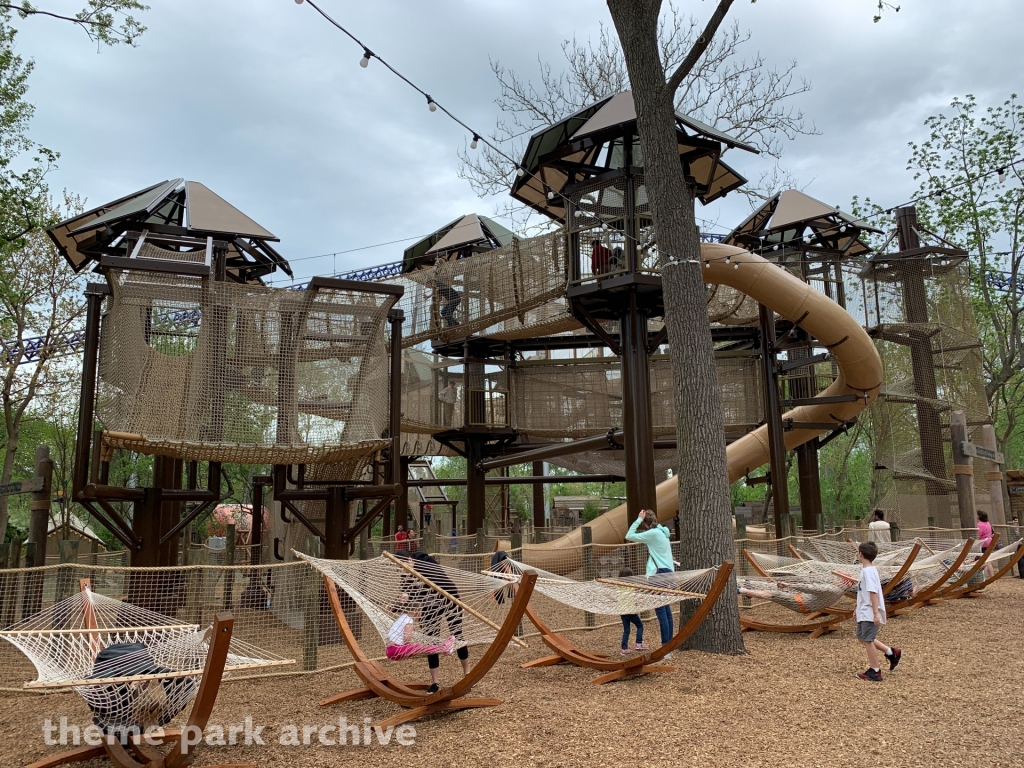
[736, 265]
[472, 144]
[520, 172]
[842, 228]
[775, 247]
[1002, 175]
[707, 265]
[365, 61]
[807, 238]
[431, 105]
[728, 259]
[298, 2]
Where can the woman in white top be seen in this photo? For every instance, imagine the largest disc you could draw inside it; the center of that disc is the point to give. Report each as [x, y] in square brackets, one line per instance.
[878, 529]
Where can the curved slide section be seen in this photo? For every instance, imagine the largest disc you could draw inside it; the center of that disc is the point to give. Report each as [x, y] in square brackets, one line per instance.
[860, 373]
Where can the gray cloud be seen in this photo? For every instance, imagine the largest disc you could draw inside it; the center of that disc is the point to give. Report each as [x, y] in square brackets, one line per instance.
[265, 103]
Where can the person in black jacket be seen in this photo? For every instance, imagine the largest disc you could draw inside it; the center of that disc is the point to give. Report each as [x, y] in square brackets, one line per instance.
[435, 607]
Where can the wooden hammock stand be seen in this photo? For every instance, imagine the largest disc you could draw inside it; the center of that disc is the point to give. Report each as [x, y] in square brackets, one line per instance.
[567, 652]
[413, 696]
[963, 589]
[823, 621]
[925, 596]
[179, 756]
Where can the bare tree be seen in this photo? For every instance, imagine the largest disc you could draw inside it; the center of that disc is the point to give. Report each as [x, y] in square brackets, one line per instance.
[40, 298]
[737, 94]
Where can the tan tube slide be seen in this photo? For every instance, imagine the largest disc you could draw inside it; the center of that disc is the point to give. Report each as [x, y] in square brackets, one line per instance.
[860, 373]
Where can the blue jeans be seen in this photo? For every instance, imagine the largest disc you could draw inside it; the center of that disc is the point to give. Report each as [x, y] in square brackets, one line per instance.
[664, 615]
[627, 620]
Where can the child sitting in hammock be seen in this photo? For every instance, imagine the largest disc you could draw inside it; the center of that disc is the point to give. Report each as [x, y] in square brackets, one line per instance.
[400, 643]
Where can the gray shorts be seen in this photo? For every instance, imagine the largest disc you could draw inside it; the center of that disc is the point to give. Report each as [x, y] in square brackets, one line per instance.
[867, 631]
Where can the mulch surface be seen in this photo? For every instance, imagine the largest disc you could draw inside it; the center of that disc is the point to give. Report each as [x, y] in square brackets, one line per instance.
[790, 701]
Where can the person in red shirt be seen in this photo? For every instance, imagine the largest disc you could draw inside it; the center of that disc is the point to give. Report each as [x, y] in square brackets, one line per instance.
[600, 258]
[400, 539]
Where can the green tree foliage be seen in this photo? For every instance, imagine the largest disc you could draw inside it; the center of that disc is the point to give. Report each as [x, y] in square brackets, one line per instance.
[959, 168]
[107, 22]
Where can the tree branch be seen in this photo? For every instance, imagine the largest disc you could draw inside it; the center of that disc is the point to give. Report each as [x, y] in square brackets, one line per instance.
[700, 46]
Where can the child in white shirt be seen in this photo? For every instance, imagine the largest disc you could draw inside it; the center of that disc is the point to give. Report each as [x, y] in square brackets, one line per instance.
[870, 614]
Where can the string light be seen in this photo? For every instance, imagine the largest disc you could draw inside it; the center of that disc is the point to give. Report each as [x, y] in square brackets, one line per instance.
[1002, 175]
[473, 143]
[431, 104]
[365, 61]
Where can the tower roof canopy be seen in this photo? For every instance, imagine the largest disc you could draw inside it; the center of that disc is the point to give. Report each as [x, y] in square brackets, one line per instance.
[172, 207]
[471, 233]
[796, 221]
[595, 140]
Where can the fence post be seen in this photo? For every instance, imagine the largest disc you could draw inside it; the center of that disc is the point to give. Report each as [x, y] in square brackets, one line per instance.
[195, 588]
[311, 620]
[587, 534]
[741, 526]
[32, 602]
[7, 592]
[481, 541]
[68, 555]
[229, 559]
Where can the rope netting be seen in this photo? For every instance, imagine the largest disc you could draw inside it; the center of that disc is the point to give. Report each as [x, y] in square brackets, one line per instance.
[418, 601]
[458, 297]
[926, 333]
[221, 371]
[135, 668]
[618, 595]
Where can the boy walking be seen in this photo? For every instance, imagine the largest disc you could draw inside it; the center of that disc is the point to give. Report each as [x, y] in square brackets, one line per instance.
[871, 614]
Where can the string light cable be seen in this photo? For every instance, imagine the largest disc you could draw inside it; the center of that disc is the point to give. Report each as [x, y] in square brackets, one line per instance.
[433, 105]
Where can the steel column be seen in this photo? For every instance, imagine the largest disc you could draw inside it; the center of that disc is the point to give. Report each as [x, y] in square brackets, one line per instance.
[538, 496]
[637, 430]
[773, 417]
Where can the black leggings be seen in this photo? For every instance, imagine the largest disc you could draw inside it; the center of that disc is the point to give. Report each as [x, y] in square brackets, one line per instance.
[431, 623]
[434, 661]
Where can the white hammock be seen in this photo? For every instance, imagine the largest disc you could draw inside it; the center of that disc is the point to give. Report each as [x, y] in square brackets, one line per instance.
[615, 596]
[442, 601]
[134, 668]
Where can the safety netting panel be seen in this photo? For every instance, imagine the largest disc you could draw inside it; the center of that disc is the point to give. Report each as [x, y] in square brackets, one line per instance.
[926, 333]
[216, 371]
[577, 397]
[458, 297]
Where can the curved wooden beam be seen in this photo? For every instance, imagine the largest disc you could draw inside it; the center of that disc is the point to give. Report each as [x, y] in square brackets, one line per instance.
[379, 683]
[966, 577]
[916, 601]
[616, 669]
[975, 590]
[755, 565]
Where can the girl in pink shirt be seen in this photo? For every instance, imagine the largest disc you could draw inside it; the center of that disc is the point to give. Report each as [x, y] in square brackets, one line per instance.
[985, 538]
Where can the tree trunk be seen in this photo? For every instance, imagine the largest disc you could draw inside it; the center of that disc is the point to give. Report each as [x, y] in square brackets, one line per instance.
[704, 501]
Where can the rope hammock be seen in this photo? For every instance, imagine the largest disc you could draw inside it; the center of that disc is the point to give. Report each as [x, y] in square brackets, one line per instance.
[134, 668]
[614, 597]
[443, 602]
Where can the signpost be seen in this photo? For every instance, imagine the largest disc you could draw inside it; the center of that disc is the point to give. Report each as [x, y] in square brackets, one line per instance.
[32, 485]
[980, 452]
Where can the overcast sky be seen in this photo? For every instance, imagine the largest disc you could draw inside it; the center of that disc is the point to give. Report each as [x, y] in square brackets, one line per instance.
[264, 102]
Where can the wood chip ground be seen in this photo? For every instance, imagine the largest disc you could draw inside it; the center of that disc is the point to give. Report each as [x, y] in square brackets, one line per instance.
[790, 701]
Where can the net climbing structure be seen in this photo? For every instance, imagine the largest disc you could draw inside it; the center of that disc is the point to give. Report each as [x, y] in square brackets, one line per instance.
[190, 358]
